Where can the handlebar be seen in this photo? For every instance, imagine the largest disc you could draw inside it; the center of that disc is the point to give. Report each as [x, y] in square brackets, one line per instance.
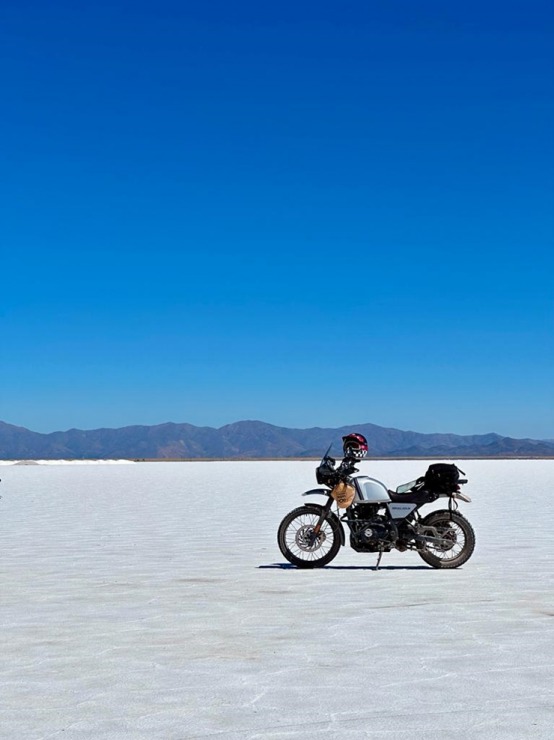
[327, 474]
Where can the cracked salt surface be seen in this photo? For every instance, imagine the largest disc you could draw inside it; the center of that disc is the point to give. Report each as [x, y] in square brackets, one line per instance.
[151, 601]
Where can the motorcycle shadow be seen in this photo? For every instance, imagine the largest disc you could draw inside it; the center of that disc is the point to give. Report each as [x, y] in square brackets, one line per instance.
[289, 566]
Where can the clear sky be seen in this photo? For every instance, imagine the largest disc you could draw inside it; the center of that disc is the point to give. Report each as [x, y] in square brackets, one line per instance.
[309, 213]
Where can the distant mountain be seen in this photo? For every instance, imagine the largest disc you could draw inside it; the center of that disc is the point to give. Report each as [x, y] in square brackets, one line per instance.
[245, 439]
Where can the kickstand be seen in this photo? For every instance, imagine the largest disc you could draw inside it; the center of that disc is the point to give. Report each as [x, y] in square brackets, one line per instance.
[379, 559]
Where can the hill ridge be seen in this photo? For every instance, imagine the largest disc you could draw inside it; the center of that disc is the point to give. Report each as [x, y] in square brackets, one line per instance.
[252, 439]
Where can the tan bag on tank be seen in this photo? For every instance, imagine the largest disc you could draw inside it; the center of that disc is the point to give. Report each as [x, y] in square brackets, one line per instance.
[343, 493]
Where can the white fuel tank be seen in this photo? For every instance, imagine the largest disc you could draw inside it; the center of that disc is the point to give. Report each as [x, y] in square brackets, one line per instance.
[371, 490]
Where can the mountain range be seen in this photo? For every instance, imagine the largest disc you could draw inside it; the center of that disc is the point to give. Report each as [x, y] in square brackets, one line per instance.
[252, 439]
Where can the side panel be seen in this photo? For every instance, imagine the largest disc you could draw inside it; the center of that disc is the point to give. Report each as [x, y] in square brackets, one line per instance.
[399, 511]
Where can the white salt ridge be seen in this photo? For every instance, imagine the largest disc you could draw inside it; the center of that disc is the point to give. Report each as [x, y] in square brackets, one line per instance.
[150, 602]
[67, 462]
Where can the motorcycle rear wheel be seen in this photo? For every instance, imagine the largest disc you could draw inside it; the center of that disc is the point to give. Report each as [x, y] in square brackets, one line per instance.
[458, 535]
[298, 543]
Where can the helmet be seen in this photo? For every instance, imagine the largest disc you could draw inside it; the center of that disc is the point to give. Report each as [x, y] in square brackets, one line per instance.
[354, 445]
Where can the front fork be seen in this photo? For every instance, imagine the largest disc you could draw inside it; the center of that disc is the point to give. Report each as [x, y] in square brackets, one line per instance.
[323, 516]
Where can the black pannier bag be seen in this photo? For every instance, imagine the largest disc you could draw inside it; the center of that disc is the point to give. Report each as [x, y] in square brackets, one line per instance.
[442, 478]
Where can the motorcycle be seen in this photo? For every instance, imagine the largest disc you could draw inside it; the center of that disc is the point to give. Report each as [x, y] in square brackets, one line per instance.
[379, 519]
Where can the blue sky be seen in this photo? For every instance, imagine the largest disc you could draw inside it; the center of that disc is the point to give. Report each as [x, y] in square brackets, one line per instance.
[309, 213]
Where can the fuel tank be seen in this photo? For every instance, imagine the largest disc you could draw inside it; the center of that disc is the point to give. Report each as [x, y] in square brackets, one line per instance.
[370, 490]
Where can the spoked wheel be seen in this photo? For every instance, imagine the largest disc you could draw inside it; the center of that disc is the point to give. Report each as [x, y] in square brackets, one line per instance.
[301, 545]
[455, 539]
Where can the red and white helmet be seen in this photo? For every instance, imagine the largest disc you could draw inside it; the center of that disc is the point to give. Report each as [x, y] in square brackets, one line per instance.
[354, 445]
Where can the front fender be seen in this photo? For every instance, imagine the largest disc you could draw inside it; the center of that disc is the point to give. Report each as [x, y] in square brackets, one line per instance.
[317, 491]
[332, 517]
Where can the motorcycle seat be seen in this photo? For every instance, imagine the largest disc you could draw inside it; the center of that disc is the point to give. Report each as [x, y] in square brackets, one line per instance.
[413, 497]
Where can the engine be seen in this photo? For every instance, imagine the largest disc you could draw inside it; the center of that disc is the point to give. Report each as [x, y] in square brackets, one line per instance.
[370, 531]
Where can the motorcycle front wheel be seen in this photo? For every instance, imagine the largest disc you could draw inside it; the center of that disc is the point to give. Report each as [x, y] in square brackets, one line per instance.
[301, 546]
[457, 535]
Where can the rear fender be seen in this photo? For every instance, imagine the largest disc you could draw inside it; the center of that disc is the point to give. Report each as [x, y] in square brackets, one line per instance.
[456, 494]
[332, 517]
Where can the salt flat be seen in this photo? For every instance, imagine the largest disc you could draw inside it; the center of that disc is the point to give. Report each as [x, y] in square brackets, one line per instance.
[151, 601]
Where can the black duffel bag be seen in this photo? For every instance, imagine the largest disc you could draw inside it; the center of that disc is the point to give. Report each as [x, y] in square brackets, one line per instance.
[442, 478]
